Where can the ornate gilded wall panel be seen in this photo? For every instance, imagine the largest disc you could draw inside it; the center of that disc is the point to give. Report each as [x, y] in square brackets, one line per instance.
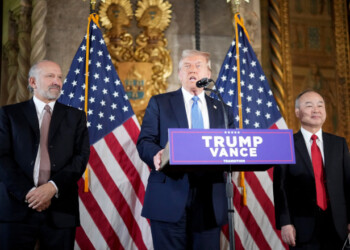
[310, 49]
[24, 46]
[143, 67]
[281, 60]
[342, 49]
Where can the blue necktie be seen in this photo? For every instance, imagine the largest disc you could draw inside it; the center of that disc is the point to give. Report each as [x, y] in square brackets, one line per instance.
[196, 114]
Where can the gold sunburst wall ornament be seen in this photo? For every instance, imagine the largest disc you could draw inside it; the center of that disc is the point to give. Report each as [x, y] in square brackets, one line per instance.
[145, 67]
[153, 15]
[115, 17]
[115, 14]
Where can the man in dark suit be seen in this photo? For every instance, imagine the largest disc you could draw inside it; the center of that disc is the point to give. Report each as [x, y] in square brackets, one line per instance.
[186, 210]
[39, 170]
[312, 197]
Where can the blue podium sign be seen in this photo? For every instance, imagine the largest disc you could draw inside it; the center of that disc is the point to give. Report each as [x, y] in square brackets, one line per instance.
[231, 146]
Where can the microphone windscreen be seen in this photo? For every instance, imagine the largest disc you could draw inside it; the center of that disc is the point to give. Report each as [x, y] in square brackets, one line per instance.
[204, 82]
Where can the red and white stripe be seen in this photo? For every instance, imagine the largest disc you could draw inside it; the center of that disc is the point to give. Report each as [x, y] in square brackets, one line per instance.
[255, 223]
[110, 212]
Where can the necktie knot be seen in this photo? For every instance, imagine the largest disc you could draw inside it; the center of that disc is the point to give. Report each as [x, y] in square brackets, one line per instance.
[47, 109]
[314, 137]
[195, 99]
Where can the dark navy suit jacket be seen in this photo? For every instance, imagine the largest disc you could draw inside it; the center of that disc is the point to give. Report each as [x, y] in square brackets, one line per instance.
[69, 152]
[295, 191]
[167, 193]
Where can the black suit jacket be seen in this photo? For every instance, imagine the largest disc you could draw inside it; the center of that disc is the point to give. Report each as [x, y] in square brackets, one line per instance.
[166, 193]
[69, 152]
[295, 191]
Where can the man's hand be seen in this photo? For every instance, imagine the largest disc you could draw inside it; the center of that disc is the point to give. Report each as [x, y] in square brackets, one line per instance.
[40, 198]
[288, 234]
[157, 159]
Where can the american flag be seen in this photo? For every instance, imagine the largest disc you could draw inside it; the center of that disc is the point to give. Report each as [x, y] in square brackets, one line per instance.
[110, 212]
[254, 223]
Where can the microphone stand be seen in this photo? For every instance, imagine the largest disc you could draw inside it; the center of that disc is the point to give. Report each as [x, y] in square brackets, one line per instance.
[229, 185]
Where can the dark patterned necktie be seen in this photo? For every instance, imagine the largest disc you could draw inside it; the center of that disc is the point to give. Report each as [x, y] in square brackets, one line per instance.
[45, 168]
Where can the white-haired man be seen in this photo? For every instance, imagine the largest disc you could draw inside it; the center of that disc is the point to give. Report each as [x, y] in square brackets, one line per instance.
[186, 210]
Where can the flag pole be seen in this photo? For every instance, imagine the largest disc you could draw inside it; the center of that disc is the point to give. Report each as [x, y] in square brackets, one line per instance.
[229, 185]
[235, 4]
[93, 18]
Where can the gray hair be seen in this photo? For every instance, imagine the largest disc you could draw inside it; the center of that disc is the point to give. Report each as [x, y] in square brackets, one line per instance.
[297, 104]
[34, 72]
[188, 52]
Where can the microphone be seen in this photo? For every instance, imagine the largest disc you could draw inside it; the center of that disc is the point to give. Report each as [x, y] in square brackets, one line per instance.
[204, 82]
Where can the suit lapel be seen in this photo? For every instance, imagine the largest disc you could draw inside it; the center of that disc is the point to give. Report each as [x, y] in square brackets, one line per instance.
[29, 112]
[300, 148]
[57, 116]
[327, 150]
[178, 105]
[212, 112]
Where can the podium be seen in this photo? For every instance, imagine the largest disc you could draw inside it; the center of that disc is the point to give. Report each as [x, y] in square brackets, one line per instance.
[228, 150]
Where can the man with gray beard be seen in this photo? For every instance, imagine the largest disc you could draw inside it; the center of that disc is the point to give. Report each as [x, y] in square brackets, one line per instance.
[44, 150]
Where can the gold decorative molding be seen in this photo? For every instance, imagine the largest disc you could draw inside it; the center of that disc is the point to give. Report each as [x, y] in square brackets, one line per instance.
[280, 59]
[38, 33]
[341, 32]
[22, 17]
[8, 90]
[154, 17]
[144, 67]
[115, 17]
[318, 37]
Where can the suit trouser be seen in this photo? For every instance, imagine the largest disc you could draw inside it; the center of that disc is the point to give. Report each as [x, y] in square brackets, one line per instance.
[195, 230]
[325, 236]
[35, 229]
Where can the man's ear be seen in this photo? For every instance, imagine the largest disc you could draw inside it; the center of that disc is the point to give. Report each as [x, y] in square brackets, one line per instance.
[297, 113]
[209, 74]
[32, 82]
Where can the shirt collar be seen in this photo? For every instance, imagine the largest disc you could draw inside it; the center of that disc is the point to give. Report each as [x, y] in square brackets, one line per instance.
[307, 135]
[40, 104]
[188, 96]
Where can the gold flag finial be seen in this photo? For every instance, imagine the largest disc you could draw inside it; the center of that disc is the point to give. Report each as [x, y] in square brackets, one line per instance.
[235, 4]
[93, 5]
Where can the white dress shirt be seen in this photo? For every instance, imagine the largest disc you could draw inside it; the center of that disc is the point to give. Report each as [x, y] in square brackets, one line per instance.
[202, 104]
[307, 138]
